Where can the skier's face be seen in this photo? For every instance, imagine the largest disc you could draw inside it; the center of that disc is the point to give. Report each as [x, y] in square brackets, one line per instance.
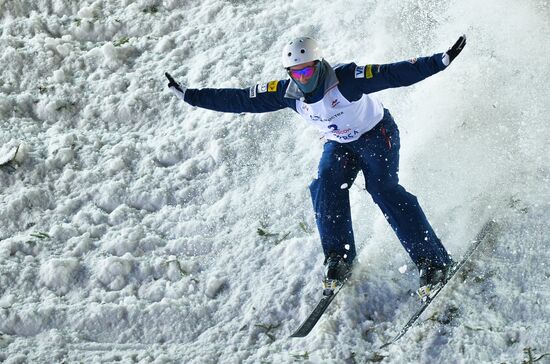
[302, 73]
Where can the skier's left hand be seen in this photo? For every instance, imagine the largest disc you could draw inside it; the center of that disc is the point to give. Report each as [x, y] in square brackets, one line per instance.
[455, 50]
[175, 87]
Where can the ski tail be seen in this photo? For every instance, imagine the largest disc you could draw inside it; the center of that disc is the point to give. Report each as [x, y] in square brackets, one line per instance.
[488, 230]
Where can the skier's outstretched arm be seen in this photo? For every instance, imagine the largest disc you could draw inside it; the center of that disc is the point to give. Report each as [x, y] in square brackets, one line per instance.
[256, 99]
[372, 78]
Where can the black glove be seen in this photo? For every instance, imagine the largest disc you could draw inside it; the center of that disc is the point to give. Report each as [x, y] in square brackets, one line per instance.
[175, 87]
[172, 82]
[456, 48]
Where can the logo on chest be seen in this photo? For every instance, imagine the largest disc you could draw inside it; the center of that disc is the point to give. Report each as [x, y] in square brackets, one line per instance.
[322, 119]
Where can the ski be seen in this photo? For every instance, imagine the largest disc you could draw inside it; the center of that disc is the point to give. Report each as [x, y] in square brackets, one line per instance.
[316, 314]
[483, 233]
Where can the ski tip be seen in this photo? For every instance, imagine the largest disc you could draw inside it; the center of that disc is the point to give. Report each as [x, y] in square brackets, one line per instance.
[488, 228]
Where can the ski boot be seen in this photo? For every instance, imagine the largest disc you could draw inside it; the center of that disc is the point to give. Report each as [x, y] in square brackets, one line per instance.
[433, 278]
[337, 271]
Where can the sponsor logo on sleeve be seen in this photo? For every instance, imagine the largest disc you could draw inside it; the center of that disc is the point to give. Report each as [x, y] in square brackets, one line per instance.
[262, 88]
[368, 71]
[359, 71]
[363, 71]
[272, 86]
[253, 92]
[412, 60]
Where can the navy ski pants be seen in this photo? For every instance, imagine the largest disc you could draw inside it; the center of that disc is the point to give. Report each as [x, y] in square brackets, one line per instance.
[376, 153]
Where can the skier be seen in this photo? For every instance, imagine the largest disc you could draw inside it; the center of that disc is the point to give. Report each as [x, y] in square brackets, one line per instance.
[360, 135]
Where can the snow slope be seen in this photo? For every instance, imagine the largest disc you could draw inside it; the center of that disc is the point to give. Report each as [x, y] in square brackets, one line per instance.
[130, 228]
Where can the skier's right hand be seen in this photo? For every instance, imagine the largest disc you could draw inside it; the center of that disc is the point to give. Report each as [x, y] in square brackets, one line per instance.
[175, 87]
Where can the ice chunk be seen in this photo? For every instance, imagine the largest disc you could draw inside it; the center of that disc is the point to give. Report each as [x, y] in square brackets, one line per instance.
[214, 286]
[59, 274]
[113, 272]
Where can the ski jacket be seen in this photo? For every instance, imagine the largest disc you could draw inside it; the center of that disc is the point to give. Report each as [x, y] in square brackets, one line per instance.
[343, 109]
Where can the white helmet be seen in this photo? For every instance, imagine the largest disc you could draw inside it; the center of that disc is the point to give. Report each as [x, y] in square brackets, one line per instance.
[301, 50]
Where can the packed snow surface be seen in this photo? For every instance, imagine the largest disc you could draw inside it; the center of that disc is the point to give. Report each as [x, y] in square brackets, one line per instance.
[136, 228]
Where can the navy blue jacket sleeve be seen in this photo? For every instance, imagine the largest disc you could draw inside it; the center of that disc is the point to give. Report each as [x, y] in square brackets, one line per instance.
[256, 99]
[372, 78]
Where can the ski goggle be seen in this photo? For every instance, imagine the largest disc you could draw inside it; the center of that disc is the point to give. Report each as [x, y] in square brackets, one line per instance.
[306, 72]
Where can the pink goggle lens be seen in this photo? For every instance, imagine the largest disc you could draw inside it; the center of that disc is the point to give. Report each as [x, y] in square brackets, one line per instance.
[304, 72]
